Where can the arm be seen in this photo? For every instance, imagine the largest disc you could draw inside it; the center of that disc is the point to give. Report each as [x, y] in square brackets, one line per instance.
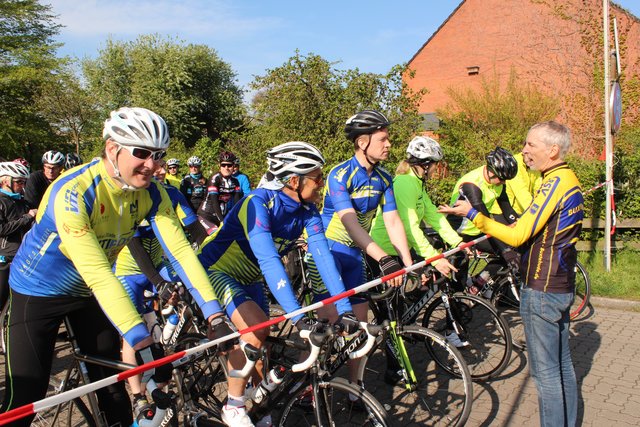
[8, 227]
[167, 228]
[507, 210]
[142, 258]
[473, 194]
[361, 238]
[397, 235]
[439, 223]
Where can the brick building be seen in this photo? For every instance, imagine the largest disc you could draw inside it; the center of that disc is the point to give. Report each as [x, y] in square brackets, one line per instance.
[552, 44]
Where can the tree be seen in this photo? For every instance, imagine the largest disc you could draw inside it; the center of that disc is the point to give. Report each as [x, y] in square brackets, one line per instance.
[188, 85]
[69, 108]
[307, 99]
[27, 58]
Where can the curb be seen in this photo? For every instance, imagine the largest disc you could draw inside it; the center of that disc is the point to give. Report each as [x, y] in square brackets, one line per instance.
[619, 304]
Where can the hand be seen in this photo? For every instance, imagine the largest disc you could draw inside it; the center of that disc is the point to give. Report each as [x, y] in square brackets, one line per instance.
[461, 208]
[467, 250]
[166, 289]
[161, 374]
[445, 267]
[348, 323]
[32, 212]
[221, 327]
[389, 265]
[307, 324]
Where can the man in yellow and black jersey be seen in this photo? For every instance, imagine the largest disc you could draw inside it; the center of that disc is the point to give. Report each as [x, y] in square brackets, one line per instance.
[547, 232]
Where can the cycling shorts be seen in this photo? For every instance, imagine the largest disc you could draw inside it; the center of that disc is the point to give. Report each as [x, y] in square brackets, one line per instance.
[350, 264]
[232, 293]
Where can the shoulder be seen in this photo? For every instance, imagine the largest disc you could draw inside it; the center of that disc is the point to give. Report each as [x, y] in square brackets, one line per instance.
[339, 171]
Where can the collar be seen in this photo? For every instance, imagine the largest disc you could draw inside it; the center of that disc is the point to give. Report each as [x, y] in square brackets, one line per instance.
[196, 176]
[289, 204]
[557, 166]
[10, 194]
[356, 164]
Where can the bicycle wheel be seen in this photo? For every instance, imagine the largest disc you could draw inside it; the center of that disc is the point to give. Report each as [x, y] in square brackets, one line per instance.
[489, 349]
[203, 380]
[71, 413]
[3, 326]
[337, 406]
[438, 398]
[583, 292]
[506, 300]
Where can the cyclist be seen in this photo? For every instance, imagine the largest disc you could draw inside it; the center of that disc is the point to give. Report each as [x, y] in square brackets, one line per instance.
[52, 164]
[194, 185]
[414, 208]
[245, 184]
[63, 267]
[222, 193]
[23, 162]
[172, 168]
[71, 160]
[352, 194]
[484, 187]
[140, 266]
[15, 218]
[250, 243]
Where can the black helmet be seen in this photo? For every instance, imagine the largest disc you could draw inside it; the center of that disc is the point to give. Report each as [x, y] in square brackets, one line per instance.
[227, 157]
[365, 123]
[502, 163]
[71, 160]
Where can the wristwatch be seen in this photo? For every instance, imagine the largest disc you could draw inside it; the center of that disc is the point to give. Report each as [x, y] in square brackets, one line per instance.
[216, 321]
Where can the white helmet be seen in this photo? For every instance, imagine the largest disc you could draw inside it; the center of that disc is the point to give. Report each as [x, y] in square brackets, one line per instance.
[173, 162]
[53, 157]
[138, 127]
[293, 158]
[14, 170]
[194, 161]
[423, 149]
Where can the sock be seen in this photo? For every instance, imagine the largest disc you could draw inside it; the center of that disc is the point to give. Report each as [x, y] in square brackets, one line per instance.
[236, 401]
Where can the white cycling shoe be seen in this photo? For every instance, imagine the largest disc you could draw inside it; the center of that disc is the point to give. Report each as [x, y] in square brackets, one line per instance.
[236, 416]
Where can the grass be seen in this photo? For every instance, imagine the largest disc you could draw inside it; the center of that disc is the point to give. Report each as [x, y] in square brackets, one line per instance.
[621, 282]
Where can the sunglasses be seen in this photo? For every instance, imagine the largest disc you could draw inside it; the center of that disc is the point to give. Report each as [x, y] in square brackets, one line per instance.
[144, 153]
[317, 179]
[173, 167]
[226, 165]
[20, 181]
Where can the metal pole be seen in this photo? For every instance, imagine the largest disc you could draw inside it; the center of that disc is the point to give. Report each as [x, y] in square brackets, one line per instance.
[607, 133]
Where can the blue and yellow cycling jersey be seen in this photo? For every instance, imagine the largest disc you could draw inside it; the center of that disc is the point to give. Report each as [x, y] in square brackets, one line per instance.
[257, 232]
[83, 222]
[126, 264]
[350, 186]
[549, 230]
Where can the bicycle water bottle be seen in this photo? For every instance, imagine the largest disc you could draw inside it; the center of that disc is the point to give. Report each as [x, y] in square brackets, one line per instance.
[269, 383]
[167, 332]
[483, 284]
[152, 325]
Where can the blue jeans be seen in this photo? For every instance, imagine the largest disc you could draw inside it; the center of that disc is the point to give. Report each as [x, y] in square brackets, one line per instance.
[545, 317]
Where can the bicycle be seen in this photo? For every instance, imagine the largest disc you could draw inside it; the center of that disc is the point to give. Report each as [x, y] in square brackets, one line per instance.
[308, 394]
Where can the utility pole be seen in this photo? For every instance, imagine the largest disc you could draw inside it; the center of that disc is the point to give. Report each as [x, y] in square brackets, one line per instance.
[608, 141]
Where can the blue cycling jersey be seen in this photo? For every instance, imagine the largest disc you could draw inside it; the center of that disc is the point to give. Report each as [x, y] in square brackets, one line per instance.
[350, 186]
[257, 232]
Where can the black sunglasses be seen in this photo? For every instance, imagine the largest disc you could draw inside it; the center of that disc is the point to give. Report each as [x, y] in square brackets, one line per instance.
[226, 165]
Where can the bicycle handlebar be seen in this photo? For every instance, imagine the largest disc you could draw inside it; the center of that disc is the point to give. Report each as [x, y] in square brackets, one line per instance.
[161, 411]
[315, 340]
[252, 355]
[372, 332]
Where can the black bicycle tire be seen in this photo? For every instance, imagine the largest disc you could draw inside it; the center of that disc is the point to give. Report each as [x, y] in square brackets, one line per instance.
[478, 346]
[586, 296]
[197, 389]
[430, 395]
[62, 413]
[372, 406]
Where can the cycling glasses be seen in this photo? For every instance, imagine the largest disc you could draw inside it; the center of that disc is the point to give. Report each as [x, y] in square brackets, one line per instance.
[226, 165]
[144, 153]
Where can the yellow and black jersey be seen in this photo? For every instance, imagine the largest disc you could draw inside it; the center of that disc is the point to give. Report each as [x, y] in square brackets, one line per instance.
[547, 231]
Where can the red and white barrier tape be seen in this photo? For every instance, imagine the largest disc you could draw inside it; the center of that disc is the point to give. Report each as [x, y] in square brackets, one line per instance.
[41, 405]
[602, 184]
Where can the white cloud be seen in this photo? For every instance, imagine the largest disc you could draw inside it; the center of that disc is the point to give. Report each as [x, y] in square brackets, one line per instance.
[195, 19]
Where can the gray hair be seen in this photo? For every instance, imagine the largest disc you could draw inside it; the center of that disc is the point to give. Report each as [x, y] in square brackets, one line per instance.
[552, 133]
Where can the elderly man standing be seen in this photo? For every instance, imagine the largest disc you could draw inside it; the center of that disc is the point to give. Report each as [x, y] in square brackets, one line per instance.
[547, 232]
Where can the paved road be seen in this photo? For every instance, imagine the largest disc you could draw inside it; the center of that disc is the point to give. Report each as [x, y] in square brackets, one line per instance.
[606, 353]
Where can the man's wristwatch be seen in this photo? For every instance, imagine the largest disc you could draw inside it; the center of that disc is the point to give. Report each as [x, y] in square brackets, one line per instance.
[216, 321]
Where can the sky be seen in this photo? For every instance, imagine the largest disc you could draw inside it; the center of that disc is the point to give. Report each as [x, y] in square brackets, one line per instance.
[253, 36]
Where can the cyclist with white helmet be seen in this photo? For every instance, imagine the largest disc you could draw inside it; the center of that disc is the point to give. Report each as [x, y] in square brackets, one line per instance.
[38, 182]
[353, 192]
[173, 177]
[194, 185]
[15, 218]
[63, 267]
[257, 232]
